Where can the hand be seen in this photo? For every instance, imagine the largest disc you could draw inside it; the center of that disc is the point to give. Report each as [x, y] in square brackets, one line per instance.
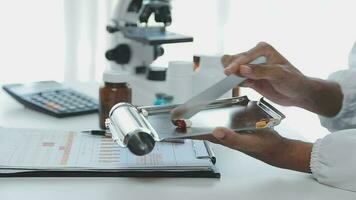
[279, 81]
[266, 145]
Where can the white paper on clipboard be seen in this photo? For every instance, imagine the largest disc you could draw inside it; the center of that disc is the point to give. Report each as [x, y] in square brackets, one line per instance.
[31, 149]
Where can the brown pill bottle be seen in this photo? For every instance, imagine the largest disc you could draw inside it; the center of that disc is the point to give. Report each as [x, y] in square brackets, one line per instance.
[236, 92]
[115, 90]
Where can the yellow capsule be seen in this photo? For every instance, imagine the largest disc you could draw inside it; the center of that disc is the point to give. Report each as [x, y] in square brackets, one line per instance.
[262, 123]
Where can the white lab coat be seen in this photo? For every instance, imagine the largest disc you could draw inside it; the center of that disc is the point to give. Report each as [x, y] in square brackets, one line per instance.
[333, 159]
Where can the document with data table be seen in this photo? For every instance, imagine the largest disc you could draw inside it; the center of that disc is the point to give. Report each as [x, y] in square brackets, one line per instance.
[24, 150]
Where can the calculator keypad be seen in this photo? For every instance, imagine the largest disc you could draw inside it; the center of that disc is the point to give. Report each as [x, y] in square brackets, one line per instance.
[63, 101]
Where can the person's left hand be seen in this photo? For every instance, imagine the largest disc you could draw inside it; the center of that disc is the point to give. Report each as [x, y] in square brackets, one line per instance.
[266, 145]
[261, 142]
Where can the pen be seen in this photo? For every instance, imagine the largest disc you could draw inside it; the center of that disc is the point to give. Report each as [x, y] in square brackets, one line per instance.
[98, 132]
[104, 133]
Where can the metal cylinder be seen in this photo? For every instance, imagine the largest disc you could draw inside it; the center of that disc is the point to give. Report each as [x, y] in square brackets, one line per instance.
[129, 129]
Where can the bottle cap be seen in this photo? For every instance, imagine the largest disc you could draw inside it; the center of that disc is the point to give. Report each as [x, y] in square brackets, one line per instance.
[180, 68]
[112, 76]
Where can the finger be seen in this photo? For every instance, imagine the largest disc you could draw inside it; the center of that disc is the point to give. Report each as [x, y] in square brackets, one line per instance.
[227, 137]
[262, 49]
[258, 72]
[227, 59]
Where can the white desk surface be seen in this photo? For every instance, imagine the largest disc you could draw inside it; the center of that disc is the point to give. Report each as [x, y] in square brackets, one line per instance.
[242, 176]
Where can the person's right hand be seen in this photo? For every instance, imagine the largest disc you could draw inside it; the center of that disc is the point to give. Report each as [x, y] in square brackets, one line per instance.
[279, 81]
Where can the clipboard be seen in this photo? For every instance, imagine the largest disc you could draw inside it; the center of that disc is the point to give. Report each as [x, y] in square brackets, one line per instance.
[51, 142]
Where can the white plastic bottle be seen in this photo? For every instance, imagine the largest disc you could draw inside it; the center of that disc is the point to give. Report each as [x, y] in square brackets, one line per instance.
[210, 70]
[180, 81]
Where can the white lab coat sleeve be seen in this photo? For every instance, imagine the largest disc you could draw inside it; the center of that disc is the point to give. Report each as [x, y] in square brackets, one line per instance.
[346, 118]
[333, 160]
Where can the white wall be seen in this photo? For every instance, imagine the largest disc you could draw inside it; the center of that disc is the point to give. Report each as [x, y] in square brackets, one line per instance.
[31, 40]
[314, 35]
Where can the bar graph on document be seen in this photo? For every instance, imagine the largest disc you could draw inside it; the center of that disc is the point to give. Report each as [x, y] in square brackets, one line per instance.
[104, 153]
[88, 150]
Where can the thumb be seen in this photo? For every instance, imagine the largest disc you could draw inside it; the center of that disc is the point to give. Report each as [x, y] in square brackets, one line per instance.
[227, 137]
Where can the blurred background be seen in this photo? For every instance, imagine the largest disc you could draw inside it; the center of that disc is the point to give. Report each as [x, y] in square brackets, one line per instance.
[65, 40]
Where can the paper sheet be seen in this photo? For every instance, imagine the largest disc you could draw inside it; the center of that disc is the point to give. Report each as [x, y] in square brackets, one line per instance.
[45, 149]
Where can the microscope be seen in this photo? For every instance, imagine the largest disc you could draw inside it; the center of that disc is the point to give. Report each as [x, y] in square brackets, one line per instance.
[135, 44]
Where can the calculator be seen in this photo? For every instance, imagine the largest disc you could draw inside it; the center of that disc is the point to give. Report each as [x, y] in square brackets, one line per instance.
[52, 98]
